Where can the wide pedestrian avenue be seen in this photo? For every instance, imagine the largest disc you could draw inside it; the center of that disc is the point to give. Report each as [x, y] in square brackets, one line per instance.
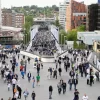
[42, 91]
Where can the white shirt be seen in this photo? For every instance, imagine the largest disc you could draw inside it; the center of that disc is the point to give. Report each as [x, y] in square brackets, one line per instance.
[6, 73]
[85, 98]
[16, 94]
[13, 81]
[9, 85]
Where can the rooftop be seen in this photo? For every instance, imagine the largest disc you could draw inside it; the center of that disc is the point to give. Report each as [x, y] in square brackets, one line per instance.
[7, 28]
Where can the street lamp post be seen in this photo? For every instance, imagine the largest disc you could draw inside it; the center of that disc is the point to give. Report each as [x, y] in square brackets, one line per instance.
[61, 39]
[26, 38]
[64, 40]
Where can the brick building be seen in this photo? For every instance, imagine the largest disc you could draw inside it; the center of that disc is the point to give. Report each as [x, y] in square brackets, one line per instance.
[75, 15]
[6, 18]
[12, 19]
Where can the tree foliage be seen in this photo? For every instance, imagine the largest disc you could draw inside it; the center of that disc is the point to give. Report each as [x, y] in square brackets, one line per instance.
[71, 35]
[37, 11]
[81, 28]
[27, 25]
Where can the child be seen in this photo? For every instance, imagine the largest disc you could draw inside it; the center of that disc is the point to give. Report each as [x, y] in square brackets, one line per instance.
[9, 85]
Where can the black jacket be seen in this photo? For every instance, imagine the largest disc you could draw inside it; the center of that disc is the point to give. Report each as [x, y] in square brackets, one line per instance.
[14, 99]
[33, 95]
[75, 81]
[50, 88]
[64, 85]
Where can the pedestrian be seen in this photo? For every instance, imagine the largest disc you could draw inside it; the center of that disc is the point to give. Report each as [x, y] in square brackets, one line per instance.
[33, 95]
[20, 91]
[60, 70]
[70, 82]
[72, 73]
[91, 80]
[76, 95]
[13, 82]
[75, 82]
[59, 85]
[29, 76]
[55, 74]
[50, 92]
[38, 69]
[26, 93]
[33, 82]
[28, 60]
[38, 79]
[64, 87]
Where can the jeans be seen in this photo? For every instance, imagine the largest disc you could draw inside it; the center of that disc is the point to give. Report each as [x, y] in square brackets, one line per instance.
[74, 86]
[33, 98]
[70, 86]
[33, 84]
[64, 90]
[50, 95]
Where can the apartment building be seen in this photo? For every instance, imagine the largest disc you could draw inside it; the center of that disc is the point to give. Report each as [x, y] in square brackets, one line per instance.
[62, 12]
[75, 15]
[93, 17]
[7, 17]
[12, 19]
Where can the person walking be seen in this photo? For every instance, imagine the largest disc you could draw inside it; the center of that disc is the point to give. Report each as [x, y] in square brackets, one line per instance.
[64, 87]
[26, 93]
[33, 80]
[33, 95]
[20, 91]
[38, 79]
[76, 95]
[70, 82]
[29, 76]
[28, 60]
[59, 85]
[55, 74]
[75, 82]
[50, 92]
[60, 70]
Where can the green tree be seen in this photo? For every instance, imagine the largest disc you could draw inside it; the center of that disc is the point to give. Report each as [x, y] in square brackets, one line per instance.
[72, 35]
[57, 23]
[62, 37]
[75, 45]
[81, 28]
[27, 26]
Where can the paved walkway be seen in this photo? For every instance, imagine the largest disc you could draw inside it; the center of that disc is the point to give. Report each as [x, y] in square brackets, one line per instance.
[42, 90]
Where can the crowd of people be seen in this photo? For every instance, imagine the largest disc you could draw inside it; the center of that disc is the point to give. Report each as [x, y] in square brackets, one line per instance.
[43, 43]
[75, 63]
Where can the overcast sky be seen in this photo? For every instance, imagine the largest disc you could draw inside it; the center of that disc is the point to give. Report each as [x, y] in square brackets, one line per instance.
[41, 3]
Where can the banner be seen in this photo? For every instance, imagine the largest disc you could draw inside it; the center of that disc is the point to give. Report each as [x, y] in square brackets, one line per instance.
[33, 33]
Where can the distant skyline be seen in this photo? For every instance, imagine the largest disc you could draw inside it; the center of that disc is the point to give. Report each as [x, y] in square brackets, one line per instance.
[40, 3]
